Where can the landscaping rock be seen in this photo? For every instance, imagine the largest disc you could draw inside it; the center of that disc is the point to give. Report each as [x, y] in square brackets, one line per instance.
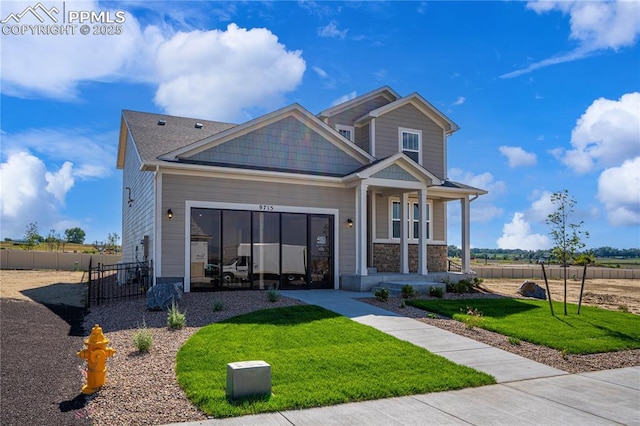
[162, 295]
[531, 289]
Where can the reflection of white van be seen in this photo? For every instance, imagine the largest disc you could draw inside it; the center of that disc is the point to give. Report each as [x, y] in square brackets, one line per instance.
[266, 261]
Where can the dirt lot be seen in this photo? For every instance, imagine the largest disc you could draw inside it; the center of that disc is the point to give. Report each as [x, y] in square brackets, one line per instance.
[51, 287]
[608, 294]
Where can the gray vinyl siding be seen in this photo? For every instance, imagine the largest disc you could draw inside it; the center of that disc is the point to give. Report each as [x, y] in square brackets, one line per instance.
[439, 220]
[178, 189]
[394, 172]
[362, 137]
[408, 116]
[349, 116]
[285, 145]
[382, 217]
[137, 220]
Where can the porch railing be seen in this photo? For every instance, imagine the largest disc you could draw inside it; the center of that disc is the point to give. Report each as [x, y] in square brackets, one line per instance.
[453, 266]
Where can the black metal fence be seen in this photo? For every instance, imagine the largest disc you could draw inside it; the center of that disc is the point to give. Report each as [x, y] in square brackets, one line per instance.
[119, 281]
[453, 266]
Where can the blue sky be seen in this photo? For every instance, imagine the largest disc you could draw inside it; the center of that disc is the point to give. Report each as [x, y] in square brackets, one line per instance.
[546, 95]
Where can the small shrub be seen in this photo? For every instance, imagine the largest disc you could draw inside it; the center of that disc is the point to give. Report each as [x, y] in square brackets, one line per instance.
[565, 354]
[143, 339]
[463, 286]
[432, 315]
[217, 306]
[623, 308]
[273, 295]
[402, 304]
[382, 294]
[473, 319]
[513, 340]
[408, 291]
[175, 319]
[436, 292]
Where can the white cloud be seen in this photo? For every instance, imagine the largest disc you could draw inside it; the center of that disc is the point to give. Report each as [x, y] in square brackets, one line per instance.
[605, 135]
[31, 193]
[483, 209]
[459, 101]
[517, 234]
[595, 26]
[322, 73]
[542, 207]
[518, 157]
[344, 98]
[619, 191]
[221, 75]
[93, 155]
[331, 30]
[70, 59]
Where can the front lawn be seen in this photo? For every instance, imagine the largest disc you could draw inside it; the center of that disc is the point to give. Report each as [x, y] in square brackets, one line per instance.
[317, 358]
[594, 330]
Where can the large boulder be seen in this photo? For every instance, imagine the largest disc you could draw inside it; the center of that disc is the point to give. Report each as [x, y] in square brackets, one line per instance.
[531, 289]
[162, 295]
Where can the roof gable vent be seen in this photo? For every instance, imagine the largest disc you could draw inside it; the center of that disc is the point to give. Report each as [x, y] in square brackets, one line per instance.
[162, 122]
[198, 126]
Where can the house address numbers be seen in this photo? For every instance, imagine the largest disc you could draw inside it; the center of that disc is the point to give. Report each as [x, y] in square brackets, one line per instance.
[265, 207]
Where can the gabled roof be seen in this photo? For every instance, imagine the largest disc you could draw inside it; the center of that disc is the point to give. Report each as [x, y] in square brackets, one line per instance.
[295, 111]
[152, 140]
[400, 159]
[419, 102]
[384, 91]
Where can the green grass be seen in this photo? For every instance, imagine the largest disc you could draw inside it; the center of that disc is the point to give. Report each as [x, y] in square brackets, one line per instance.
[317, 358]
[594, 330]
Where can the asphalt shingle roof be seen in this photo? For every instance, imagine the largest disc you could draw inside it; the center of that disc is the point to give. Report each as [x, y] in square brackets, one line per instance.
[153, 140]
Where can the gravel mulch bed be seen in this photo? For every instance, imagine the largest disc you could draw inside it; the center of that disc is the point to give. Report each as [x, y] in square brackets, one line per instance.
[142, 389]
[41, 376]
[551, 357]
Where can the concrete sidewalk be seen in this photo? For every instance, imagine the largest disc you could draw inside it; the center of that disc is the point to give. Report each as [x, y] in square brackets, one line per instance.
[527, 392]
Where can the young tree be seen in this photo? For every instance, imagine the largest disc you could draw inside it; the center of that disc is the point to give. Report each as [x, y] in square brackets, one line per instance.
[31, 235]
[74, 235]
[565, 235]
[112, 241]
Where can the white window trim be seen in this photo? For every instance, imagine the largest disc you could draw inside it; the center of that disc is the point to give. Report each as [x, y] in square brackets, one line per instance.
[402, 130]
[411, 220]
[350, 129]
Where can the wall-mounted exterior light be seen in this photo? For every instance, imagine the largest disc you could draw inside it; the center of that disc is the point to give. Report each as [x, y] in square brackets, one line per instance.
[350, 223]
[169, 213]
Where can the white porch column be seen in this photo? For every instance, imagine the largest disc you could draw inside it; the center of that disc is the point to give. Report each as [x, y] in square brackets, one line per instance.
[361, 229]
[422, 227]
[404, 233]
[466, 242]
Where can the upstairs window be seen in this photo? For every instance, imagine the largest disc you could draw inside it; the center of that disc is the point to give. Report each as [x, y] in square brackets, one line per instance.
[346, 131]
[411, 143]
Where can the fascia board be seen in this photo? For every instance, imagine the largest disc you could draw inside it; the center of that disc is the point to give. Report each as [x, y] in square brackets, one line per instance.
[242, 174]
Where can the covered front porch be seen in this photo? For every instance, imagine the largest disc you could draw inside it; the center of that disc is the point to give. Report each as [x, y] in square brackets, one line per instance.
[401, 225]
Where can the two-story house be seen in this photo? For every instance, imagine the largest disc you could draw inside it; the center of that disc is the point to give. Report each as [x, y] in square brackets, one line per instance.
[291, 199]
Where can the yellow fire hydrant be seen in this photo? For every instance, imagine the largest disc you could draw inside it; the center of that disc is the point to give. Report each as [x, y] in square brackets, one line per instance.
[96, 355]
